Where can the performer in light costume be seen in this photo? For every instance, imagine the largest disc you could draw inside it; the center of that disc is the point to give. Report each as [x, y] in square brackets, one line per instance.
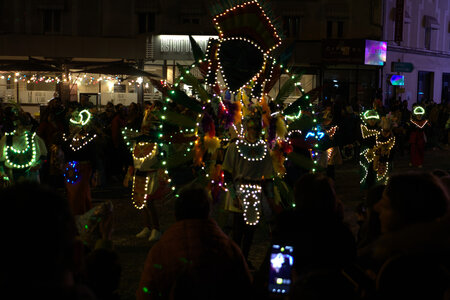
[80, 157]
[376, 146]
[149, 181]
[417, 137]
[248, 174]
[22, 151]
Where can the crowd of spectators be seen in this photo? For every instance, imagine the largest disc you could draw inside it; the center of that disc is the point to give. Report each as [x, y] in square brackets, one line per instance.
[399, 252]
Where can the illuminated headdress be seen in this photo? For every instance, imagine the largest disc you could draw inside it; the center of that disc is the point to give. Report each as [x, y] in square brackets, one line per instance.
[246, 38]
[370, 114]
[418, 110]
[80, 118]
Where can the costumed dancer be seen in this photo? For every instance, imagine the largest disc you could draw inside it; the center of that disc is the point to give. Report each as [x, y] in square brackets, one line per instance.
[79, 147]
[149, 181]
[248, 172]
[22, 151]
[383, 151]
[417, 137]
[333, 155]
[369, 131]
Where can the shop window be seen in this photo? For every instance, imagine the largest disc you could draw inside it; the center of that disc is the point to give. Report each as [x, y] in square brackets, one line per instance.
[424, 86]
[146, 22]
[52, 21]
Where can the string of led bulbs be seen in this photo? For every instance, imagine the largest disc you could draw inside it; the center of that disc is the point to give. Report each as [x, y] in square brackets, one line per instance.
[251, 200]
[29, 151]
[84, 140]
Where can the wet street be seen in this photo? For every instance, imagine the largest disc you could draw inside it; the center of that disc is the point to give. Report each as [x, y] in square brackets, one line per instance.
[132, 251]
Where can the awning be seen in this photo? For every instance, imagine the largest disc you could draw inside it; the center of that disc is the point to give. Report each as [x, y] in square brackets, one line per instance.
[28, 66]
[430, 22]
[119, 69]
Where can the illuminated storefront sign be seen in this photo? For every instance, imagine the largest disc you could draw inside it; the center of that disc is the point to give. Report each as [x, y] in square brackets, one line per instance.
[177, 47]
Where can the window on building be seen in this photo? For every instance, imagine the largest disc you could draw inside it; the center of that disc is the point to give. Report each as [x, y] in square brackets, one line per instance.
[52, 21]
[335, 29]
[340, 29]
[329, 29]
[427, 38]
[146, 22]
[291, 26]
[9, 83]
[188, 19]
[430, 24]
[445, 88]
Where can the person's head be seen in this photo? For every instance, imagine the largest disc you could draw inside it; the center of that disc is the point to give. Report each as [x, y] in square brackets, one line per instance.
[132, 108]
[109, 106]
[253, 126]
[374, 195]
[38, 230]
[193, 203]
[103, 270]
[371, 117]
[314, 194]
[418, 112]
[147, 104]
[411, 198]
[323, 285]
[440, 173]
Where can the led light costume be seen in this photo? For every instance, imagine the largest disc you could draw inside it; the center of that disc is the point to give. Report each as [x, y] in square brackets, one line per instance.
[324, 150]
[79, 147]
[248, 173]
[376, 146]
[239, 82]
[149, 181]
[417, 138]
[22, 151]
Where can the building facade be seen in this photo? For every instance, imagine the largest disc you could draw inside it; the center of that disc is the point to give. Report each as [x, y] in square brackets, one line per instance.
[328, 40]
[418, 36]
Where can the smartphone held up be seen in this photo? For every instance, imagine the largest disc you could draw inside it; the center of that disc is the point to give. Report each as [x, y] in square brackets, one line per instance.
[281, 263]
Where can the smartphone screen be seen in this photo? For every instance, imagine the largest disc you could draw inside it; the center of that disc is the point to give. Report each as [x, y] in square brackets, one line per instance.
[281, 262]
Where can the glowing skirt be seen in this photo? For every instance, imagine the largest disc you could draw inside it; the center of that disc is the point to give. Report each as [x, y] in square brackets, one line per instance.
[151, 186]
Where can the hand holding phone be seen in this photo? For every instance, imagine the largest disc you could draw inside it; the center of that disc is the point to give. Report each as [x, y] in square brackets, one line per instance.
[281, 263]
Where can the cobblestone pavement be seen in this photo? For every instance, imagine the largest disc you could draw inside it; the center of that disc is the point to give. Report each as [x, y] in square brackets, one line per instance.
[132, 251]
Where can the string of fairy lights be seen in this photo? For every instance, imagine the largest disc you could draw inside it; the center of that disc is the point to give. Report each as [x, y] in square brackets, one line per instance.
[85, 79]
[22, 158]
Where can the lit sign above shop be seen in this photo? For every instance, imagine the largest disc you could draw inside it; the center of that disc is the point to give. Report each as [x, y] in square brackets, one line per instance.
[375, 53]
[177, 47]
[397, 80]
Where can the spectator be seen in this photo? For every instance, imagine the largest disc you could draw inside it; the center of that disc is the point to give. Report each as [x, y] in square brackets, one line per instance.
[49, 269]
[121, 157]
[323, 285]
[134, 116]
[320, 226]
[194, 248]
[103, 272]
[370, 229]
[415, 227]
[321, 240]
